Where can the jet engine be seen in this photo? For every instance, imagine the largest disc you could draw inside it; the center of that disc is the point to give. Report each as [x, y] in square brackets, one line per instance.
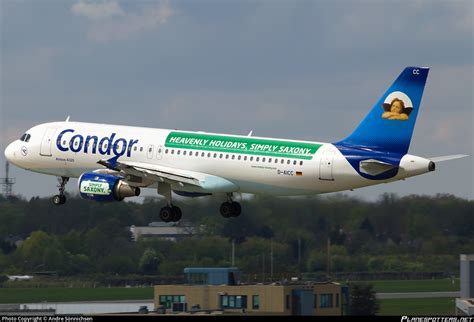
[105, 187]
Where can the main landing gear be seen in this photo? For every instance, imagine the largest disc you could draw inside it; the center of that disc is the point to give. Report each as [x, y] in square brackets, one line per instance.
[230, 208]
[170, 212]
[61, 198]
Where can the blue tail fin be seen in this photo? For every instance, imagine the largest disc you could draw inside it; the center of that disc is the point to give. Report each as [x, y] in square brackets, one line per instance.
[389, 125]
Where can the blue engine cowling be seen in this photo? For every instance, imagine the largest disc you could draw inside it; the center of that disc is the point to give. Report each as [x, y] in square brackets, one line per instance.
[105, 187]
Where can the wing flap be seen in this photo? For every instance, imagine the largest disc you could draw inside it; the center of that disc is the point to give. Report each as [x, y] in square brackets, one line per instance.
[162, 174]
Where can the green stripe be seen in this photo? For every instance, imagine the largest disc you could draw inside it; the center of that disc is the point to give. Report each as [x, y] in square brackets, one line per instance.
[243, 145]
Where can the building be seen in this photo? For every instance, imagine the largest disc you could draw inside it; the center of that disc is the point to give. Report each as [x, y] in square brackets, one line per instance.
[72, 308]
[211, 289]
[465, 304]
[168, 231]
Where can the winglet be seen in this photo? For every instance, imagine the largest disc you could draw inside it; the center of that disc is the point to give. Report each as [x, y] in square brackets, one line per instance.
[250, 133]
[110, 163]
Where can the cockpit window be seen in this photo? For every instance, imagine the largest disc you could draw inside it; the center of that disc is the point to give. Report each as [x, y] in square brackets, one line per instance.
[25, 137]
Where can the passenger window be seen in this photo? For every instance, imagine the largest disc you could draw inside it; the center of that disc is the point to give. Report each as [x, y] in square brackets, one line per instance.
[215, 155]
[149, 149]
[269, 160]
[226, 156]
[233, 157]
[172, 151]
[301, 162]
[239, 157]
[257, 159]
[294, 162]
[159, 150]
[166, 151]
[276, 160]
[288, 161]
[282, 161]
[141, 148]
[184, 152]
[208, 155]
[135, 149]
[263, 159]
[178, 152]
[245, 158]
[220, 156]
[251, 158]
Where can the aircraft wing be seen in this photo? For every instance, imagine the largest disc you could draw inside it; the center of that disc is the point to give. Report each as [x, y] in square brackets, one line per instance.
[152, 173]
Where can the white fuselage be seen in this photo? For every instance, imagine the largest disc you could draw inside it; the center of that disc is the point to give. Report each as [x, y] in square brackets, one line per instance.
[52, 151]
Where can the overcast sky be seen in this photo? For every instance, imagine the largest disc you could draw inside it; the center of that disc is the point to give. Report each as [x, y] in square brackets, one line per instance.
[306, 70]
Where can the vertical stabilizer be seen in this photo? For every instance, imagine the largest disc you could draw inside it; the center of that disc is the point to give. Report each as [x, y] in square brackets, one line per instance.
[389, 125]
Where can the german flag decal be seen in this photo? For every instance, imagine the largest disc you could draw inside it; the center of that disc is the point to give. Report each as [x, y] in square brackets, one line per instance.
[299, 173]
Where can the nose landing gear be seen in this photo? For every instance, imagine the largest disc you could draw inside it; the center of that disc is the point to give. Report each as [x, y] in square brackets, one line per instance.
[61, 198]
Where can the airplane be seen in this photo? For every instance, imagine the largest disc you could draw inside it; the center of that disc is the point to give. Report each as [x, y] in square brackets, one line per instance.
[114, 162]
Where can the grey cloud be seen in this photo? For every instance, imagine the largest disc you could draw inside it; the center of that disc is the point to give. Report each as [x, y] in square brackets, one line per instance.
[97, 10]
[121, 24]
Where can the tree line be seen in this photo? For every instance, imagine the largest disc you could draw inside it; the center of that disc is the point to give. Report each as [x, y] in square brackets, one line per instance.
[282, 236]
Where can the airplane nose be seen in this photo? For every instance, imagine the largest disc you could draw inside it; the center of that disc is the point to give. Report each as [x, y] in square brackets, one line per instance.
[10, 152]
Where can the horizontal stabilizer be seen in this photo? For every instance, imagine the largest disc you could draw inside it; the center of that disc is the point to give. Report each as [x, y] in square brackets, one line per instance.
[448, 157]
[374, 167]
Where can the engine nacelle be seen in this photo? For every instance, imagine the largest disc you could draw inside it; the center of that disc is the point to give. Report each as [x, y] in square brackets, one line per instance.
[105, 187]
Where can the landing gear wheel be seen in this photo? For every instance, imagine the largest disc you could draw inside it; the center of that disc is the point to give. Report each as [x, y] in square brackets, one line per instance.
[227, 209]
[166, 214]
[237, 209]
[59, 200]
[176, 213]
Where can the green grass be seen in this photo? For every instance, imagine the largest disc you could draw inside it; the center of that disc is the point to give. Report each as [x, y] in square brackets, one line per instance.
[437, 285]
[31, 295]
[429, 306]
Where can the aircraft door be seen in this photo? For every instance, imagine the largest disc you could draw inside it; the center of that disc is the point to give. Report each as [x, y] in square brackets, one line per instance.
[326, 166]
[150, 150]
[46, 143]
[159, 153]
